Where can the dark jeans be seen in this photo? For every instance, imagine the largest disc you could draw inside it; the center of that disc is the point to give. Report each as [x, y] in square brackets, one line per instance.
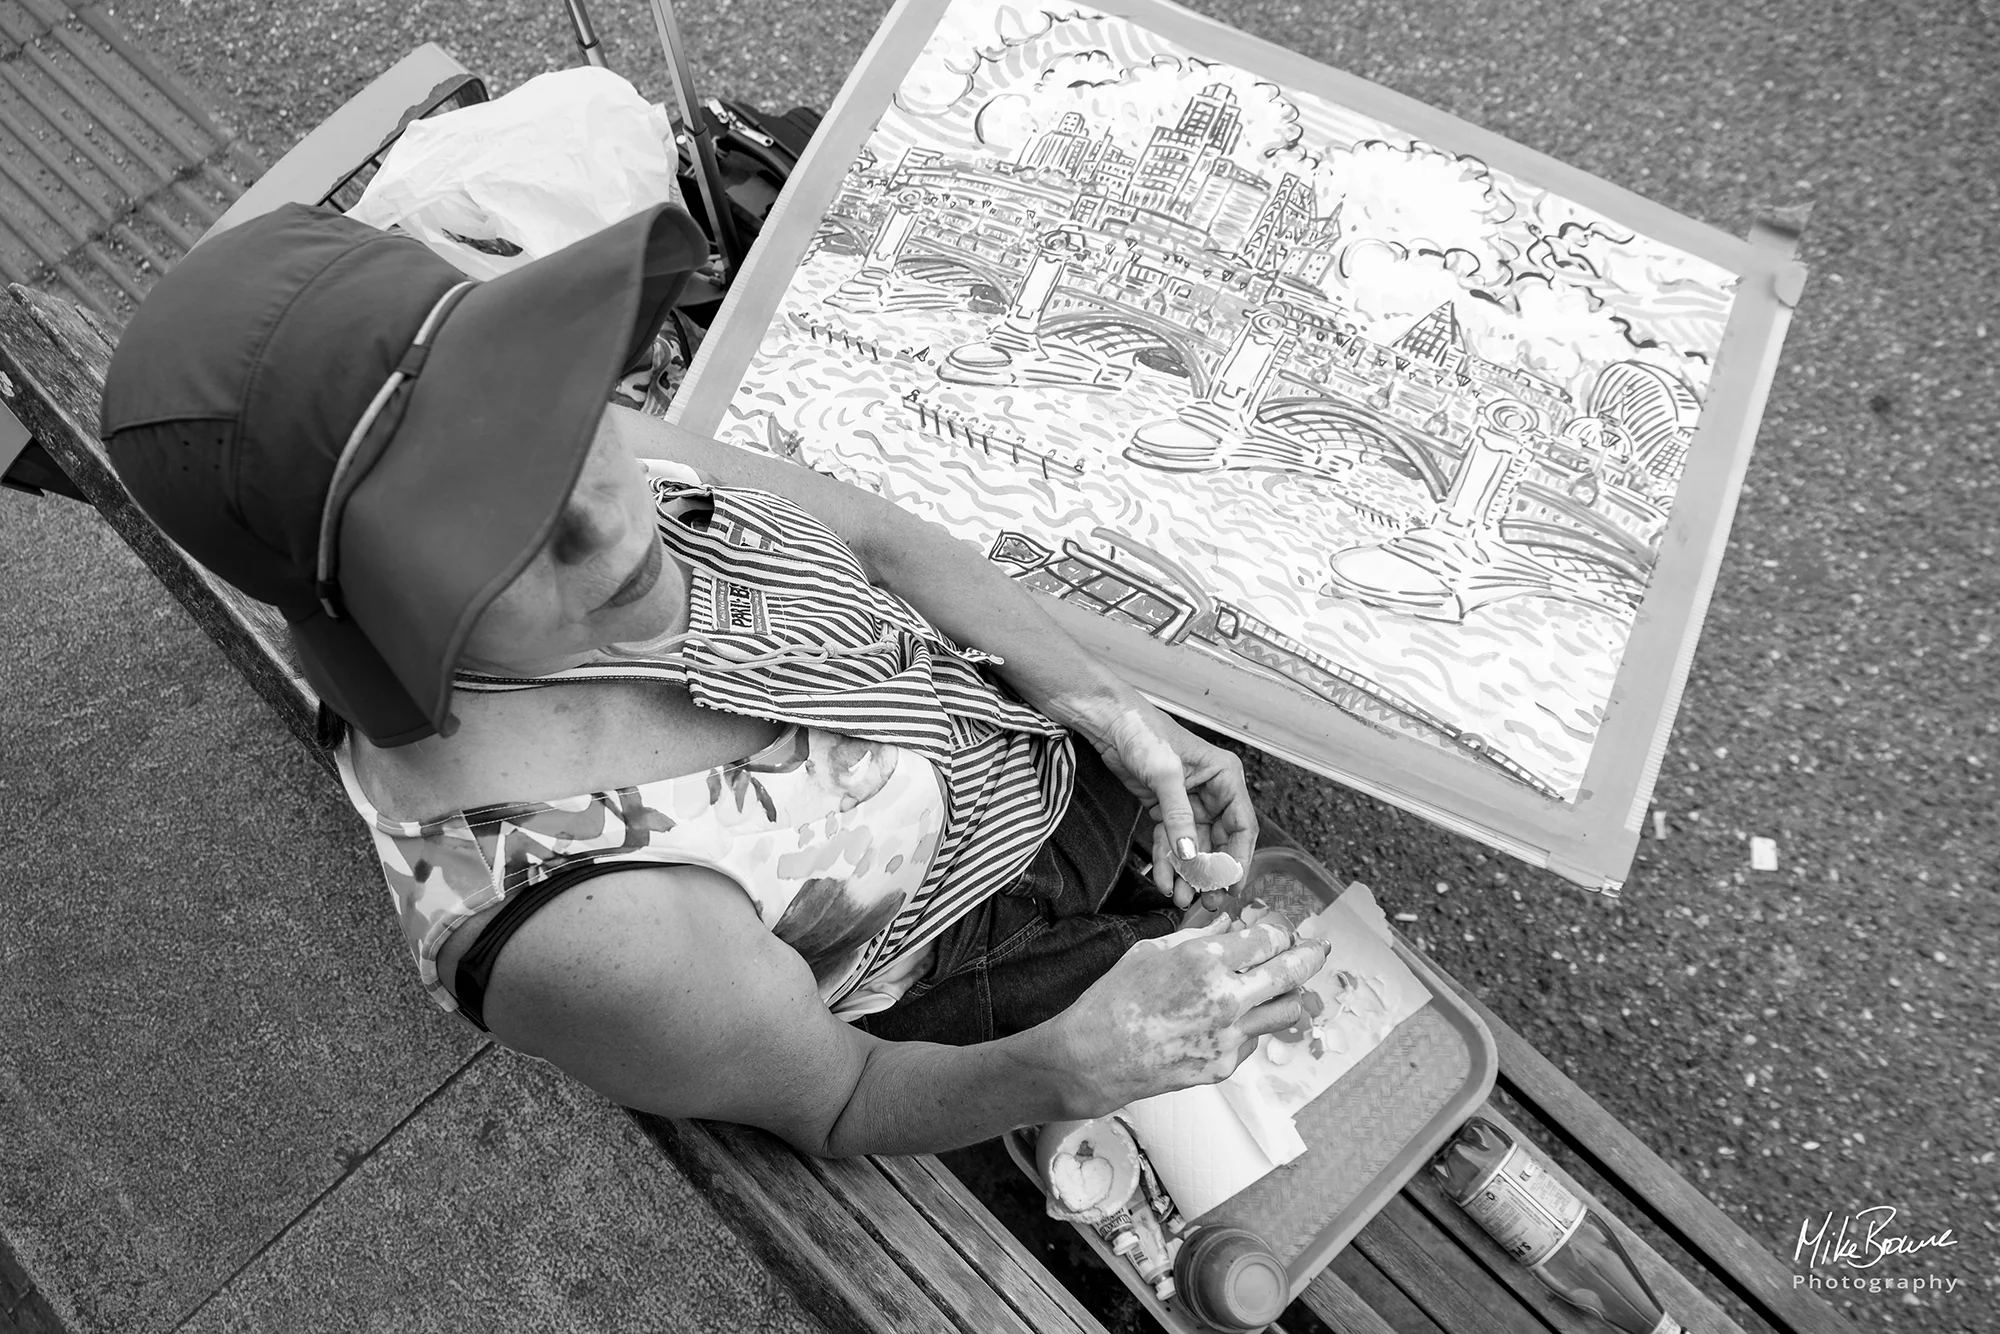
[1023, 955]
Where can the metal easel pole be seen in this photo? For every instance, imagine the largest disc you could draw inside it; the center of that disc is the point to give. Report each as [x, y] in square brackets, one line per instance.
[586, 36]
[699, 132]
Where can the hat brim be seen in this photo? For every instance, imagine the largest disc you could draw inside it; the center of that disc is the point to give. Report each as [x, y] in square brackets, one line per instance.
[491, 437]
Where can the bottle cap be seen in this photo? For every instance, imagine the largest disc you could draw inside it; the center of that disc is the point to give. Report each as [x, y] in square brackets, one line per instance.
[1229, 1278]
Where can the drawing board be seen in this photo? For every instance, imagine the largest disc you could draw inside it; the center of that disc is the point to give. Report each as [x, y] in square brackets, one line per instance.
[1390, 446]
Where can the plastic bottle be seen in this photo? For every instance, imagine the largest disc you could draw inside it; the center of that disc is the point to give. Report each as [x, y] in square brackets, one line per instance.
[1510, 1192]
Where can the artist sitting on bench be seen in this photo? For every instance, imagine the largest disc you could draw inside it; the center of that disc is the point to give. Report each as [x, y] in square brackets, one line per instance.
[801, 802]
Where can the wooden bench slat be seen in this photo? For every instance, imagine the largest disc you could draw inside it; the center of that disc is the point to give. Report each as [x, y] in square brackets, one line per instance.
[1375, 1290]
[790, 1221]
[927, 1258]
[1528, 1291]
[1449, 1285]
[1601, 1140]
[968, 1225]
[1340, 1307]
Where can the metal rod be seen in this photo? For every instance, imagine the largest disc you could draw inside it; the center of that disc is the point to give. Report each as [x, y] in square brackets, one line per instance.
[586, 36]
[700, 132]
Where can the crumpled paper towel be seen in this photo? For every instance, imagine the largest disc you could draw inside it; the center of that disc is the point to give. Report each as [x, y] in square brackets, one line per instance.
[564, 155]
[1364, 991]
[1214, 1141]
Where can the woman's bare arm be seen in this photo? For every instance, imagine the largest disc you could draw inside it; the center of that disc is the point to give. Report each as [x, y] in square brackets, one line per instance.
[662, 990]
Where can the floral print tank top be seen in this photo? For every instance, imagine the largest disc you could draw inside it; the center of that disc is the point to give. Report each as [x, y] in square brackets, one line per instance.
[829, 836]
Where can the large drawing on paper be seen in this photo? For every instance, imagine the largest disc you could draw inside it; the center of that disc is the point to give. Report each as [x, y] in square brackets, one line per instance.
[1257, 373]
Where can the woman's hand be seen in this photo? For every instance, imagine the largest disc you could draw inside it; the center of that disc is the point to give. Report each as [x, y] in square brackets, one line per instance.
[1167, 1017]
[1194, 791]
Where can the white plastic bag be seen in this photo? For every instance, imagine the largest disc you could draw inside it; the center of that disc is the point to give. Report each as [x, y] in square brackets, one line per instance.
[562, 156]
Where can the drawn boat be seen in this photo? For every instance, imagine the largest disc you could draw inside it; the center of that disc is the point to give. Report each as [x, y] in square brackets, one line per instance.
[1136, 585]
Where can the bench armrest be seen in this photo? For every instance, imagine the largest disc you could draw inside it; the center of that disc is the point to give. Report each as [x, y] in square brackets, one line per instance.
[362, 127]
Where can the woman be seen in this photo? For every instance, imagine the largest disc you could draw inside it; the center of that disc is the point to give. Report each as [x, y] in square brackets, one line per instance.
[687, 776]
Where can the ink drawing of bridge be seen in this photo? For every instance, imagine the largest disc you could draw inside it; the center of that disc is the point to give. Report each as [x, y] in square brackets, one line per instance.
[1254, 373]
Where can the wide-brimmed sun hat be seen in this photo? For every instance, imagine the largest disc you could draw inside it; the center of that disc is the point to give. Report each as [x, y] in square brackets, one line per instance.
[339, 423]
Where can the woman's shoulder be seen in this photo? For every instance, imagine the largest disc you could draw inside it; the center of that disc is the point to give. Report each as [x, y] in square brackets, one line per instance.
[554, 743]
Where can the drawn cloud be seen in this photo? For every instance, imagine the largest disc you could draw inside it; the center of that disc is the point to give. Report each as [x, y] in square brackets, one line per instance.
[1420, 199]
[1552, 287]
[964, 41]
[1129, 100]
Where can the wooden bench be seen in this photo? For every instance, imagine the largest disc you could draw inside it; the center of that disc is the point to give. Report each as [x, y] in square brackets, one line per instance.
[900, 1244]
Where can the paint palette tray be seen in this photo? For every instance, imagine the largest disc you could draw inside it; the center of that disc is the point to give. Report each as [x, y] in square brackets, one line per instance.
[1366, 1136]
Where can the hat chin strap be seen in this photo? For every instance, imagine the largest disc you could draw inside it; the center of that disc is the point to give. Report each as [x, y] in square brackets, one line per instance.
[343, 482]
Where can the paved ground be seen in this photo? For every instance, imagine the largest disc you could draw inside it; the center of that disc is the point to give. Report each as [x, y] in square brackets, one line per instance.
[1812, 1041]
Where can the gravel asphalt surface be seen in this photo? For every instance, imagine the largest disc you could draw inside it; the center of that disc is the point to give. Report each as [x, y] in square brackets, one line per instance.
[1816, 1040]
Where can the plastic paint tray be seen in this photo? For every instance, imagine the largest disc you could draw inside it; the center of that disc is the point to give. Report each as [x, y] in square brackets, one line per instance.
[1366, 1136]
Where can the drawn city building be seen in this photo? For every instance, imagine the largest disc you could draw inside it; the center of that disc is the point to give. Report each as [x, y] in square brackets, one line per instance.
[1287, 218]
[1062, 149]
[1309, 259]
[1435, 340]
[1178, 155]
[1656, 408]
[1106, 168]
[1227, 204]
[1220, 283]
[1518, 382]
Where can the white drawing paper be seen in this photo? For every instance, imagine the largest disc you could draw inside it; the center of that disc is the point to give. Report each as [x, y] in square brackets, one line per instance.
[1255, 372]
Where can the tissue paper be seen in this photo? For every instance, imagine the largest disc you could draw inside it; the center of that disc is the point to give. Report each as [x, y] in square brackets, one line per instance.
[1200, 1147]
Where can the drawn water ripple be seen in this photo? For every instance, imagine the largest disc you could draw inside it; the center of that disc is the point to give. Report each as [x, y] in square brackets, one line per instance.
[1530, 675]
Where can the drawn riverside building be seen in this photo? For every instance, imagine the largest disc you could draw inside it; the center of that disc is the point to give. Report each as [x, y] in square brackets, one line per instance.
[1183, 261]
